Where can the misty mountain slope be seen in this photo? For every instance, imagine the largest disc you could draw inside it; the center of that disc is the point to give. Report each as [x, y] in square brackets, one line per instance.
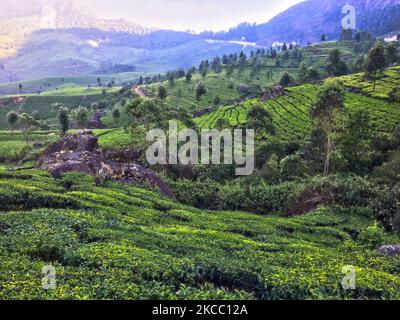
[62, 53]
[308, 20]
[58, 38]
[18, 20]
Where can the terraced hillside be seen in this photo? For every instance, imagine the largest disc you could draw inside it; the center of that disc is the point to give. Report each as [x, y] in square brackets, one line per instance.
[221, 85]
[50, 83]
[14, 148]
[225, 86]
[389, 80]
[70, 95]
[317, 54]
[291, 112]
[123, 242]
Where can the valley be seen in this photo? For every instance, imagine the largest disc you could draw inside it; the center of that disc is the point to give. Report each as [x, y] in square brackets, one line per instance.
[86, 215]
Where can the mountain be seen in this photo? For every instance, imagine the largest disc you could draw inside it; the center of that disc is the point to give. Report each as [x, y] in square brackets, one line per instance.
[20, 19]
[79, 51]
[41, 38]
[310, 19]
[60, 38]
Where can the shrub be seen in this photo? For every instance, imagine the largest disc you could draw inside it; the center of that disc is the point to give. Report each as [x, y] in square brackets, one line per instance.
[258, 197]
[394, 95]
[198, 194]
[238, 195]
[372, 237]
[386, 206]
[126, 242]
[13, 150]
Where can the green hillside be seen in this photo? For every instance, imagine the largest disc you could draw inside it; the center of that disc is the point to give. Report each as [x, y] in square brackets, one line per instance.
[225, 85]
[389, 80]
[51, 83]
[291, 112]
[221, 85]
[324, 193]
[222, 88]
[70, 95]
[124, 242]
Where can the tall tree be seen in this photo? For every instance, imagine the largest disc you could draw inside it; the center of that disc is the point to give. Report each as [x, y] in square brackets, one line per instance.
[162, 94]
[200, 91]
[391, 54]
[217, 101]
[216, 65]
[335, 65]
[358, 64]
[261, 120]
[188, 76]
[12, 118]
[302, 73]
[376, 63]
[313, 150]
[63, 120]
[20, 86]
[285, 80]
[81, 116]
[329, 105]
[171, 79]
[394, 95]
[28, 124]
[356, 142]
[313, 74]
[116, 114]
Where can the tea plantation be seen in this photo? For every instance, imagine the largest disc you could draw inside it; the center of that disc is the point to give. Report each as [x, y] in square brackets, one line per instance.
[221, 85]
[69, 95]
[291, 112]
[124, 242]
[389, 80]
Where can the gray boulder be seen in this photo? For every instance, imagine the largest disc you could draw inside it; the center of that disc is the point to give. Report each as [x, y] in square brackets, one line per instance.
[81, 153]
[390, 250]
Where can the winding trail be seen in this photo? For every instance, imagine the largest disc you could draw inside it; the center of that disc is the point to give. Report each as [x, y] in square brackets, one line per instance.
[139, 91]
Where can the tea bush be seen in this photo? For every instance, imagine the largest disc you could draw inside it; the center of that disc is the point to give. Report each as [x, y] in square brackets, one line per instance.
[258, 197]
[123, 242]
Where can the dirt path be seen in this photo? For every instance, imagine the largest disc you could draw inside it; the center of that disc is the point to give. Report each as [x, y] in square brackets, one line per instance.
[139, 91]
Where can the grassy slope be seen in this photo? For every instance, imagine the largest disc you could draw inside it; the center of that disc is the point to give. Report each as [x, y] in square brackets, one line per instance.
[13, 147]
[32, 86]
[389, 80]
[182, 94]
[72, 91]
[120, 241]
[70, 95]
[291, 112]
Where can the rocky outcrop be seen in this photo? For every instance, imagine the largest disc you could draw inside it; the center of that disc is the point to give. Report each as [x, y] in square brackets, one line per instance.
[203, 112]
[309, 200]
[7, 102]
[81, 153]
[95, 121]
[273, 93]
[390, 250]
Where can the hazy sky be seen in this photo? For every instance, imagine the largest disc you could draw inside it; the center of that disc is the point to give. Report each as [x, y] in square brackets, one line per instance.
[195, 15]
